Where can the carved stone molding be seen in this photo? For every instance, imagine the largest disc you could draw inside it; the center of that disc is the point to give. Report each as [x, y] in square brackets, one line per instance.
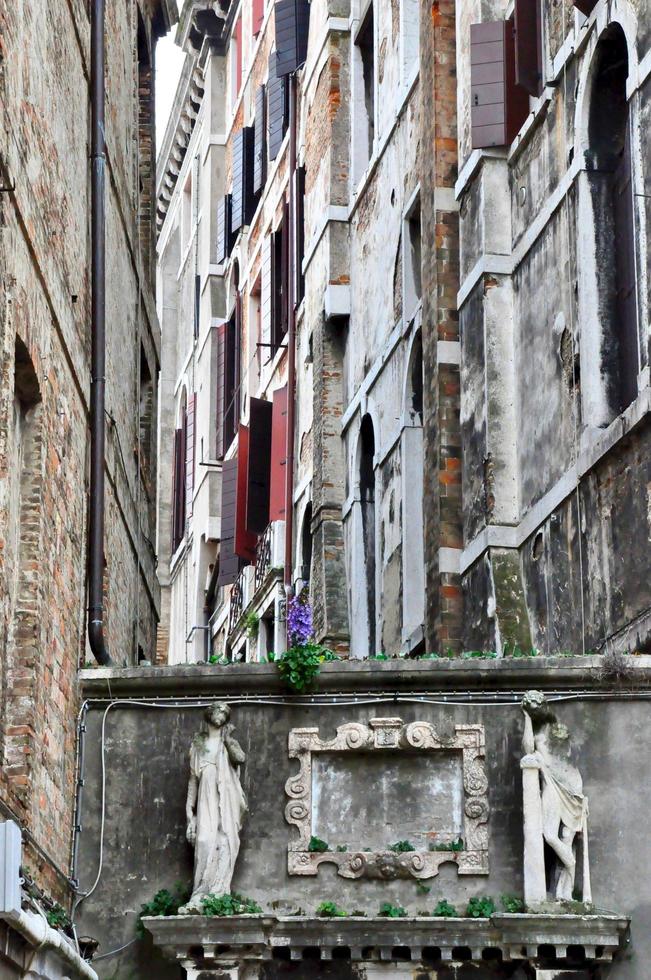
[390, 735]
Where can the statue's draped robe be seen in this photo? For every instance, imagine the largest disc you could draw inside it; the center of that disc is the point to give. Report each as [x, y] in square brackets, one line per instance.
[572, 805]
[220, 810]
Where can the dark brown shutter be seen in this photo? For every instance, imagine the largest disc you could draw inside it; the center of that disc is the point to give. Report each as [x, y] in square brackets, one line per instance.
[259, 469]
[245, 540]
[220, 448]
[292, 27]
[278, 456]
[277, 108]
[229, 563]
[585, 6]
[260, 127]
[528, 46]
[223, 228]
[498, 105]
[189, 453]
[626, 277]
[300, 233]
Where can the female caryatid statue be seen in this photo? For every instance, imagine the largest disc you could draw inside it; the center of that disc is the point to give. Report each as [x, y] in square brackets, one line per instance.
[555, 808]
[215, 806]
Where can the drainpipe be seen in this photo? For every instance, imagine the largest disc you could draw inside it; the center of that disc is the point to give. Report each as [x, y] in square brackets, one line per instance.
[98, 353]
[291, 347]
[35, 929]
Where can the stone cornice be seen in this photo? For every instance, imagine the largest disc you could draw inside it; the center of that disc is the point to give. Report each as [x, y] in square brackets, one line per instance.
[492, 679]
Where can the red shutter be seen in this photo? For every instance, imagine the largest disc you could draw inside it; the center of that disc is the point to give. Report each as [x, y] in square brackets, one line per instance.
[189, 454]
[278, 455]
[585, 6]
[238, 56]
[498, 106]
[229, 563]
[245, 541]
[258, 16]
[259, 465]
[528, 46]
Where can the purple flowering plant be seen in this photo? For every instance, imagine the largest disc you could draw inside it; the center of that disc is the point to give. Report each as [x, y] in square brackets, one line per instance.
[299, 621]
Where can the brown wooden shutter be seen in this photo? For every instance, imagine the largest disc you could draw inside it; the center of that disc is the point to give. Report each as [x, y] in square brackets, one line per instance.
[498, 106]
[277, 108]
[189, 453]
[278, 456]
[292, 26]
[229, 563]
[259, 469]
[528, 46]
[260, 153]
[220, 405]
[243, 198]
[223, 228]
[245, 541]
[258, 16]
[585, 6]
[627, 339]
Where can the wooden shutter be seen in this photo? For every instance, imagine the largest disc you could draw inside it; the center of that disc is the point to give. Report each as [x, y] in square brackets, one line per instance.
[499, 106]
[585, 6]
[259, 468]
[278, 456]
[189, 453]
[223, 228]
[292, 28]
[277, 297]
[265, 299]
[277, 109]
[627, 339]
[243, 198]
[229, 563]
[258, 16]
[245, 541]
[220, 405]
[528, 46]
[299, 278]
[260, 141]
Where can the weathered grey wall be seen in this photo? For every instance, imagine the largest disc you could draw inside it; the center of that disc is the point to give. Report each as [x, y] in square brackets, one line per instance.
[146, 754]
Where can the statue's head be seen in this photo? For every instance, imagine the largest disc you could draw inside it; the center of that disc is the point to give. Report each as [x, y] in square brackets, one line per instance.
[217, 714]
[536, 706]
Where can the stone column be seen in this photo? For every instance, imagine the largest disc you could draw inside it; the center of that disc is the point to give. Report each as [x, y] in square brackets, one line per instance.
[535, 882]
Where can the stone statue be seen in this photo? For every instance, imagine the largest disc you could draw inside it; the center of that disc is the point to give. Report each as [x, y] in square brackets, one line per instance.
[215, 806]
[555, 808]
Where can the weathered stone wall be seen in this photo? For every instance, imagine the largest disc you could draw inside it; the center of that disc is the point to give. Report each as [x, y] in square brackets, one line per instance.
[44, 379]
[146, 755]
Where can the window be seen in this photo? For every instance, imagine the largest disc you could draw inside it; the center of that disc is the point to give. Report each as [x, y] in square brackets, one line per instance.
[413, 558]
[279, 283]
[412, 261]
[306, 545]
[367, 502]
[499, 106]
[609, 286]
[179, 481]
[364, 94]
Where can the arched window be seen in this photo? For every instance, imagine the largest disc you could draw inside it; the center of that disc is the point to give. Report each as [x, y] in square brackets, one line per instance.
[608, 202]
[367, 503]
[306, 544]
[179, 476]
[413, 556]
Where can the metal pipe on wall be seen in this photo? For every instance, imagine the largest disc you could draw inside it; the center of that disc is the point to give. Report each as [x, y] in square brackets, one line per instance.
[291, 346]
[96, 636]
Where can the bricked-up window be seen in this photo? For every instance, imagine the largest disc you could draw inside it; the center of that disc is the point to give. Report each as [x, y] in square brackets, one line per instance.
[23, 557]
[279, 283]
[365, 95]
[366, 478]
[277, 108]
[499, 106]
[146, 151]
[611, 197]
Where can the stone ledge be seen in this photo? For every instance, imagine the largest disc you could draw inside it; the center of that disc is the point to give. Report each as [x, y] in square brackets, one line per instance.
[550, 938]
[448, 676]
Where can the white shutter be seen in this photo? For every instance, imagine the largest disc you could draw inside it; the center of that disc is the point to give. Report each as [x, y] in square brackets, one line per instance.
[266, 297]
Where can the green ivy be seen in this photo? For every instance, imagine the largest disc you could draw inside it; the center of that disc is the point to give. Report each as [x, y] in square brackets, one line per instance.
[389, 911]
[164, 902]
[317, 846]
[480, 907]
[251, 625]
[57, 917]
[444, 910]
[455, 845]
[229, 905]
[330, 910]
[299, 665]
[401, 847]
[342, 848]
[512, 904]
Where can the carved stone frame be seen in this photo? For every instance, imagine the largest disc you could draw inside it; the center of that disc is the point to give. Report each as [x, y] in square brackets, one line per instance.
[388, 735]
